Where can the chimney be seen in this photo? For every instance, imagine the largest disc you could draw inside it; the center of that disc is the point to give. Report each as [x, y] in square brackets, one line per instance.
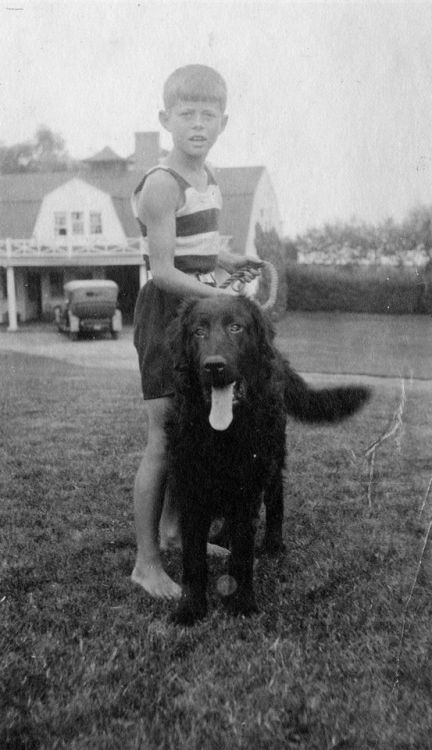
[147, 151]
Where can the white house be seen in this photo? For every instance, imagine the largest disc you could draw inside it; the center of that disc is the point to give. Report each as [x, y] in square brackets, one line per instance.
[59, 226]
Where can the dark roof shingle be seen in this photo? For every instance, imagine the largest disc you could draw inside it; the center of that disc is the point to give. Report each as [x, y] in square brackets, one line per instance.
[106, 155]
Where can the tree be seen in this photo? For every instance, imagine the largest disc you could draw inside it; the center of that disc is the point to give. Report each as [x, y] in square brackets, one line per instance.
[418, 225]
[45, 153]
[290, 250]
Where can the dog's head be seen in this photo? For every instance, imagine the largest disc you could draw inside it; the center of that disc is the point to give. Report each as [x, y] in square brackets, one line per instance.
[222, 348]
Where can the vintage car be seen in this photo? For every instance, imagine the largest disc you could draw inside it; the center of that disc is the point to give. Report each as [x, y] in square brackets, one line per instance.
[89, 306]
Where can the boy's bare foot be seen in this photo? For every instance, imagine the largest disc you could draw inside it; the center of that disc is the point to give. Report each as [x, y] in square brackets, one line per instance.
[153, 579]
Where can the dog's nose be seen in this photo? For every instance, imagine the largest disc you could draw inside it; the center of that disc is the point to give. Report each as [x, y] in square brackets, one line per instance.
[214, 368]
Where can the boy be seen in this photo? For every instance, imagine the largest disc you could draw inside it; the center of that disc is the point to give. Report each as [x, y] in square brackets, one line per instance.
[177, 205]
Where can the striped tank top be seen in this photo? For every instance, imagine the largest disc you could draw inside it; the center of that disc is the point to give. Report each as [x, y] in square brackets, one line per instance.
[197, 236]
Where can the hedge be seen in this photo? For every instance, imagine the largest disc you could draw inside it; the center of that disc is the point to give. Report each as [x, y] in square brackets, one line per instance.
[361, 289]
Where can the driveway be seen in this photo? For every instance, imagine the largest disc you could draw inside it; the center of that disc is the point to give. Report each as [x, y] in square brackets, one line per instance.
[325, 347]
[45, 341]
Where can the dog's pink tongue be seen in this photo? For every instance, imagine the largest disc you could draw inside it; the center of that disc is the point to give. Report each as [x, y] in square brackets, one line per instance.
[221, 413]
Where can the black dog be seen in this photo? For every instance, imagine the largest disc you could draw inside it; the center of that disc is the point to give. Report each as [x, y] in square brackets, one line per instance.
[226, 437]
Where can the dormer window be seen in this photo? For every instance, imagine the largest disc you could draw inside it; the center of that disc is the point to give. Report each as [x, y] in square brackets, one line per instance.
[60, 223]
[77, 223]
[95, 222]
[77, 218]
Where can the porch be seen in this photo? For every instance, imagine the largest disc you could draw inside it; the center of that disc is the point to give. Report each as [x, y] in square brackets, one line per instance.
[33, 274]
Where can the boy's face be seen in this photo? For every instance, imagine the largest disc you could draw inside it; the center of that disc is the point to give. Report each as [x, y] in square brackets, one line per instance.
[194, 126]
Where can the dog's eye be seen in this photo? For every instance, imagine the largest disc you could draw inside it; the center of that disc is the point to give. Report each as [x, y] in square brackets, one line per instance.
[235, 328]
[199, 332]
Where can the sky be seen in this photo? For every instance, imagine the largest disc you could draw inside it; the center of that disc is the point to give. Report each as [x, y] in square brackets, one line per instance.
[334, 99]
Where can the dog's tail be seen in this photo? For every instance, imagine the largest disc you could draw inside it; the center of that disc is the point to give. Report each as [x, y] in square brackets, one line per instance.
[322, 405]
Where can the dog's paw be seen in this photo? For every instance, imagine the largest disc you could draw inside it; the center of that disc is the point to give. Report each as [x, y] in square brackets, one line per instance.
[215, 550]
[241, 605]
[188, 613]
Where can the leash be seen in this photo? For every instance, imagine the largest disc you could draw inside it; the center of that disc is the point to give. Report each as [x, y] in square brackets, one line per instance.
[237, 281]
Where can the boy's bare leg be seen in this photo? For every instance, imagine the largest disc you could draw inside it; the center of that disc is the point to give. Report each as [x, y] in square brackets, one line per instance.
[170, 537]
[149, 490]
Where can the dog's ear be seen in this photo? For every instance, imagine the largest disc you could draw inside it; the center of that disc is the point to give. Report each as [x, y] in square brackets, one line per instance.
[264, 332]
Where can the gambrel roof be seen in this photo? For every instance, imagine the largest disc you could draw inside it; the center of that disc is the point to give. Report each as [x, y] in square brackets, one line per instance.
[21, 197]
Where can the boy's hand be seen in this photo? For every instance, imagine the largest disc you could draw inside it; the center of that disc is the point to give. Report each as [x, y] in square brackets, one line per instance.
[247, 264]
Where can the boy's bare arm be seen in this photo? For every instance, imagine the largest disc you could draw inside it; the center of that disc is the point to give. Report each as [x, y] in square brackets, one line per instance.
[157, 204]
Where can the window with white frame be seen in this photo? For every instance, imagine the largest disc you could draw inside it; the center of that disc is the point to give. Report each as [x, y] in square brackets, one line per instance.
[95, 222]
[77, 222]
[60, 223]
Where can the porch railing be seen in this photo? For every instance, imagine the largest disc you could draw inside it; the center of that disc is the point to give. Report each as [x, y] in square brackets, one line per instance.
[11, 249]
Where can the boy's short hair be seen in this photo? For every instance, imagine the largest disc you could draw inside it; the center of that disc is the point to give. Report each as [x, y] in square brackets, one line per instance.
[195, 83]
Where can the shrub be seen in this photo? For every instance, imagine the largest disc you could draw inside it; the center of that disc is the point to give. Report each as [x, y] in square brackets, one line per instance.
[363, 289]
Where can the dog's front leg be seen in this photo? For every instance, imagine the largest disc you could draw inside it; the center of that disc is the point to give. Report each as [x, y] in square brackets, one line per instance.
[242, 600]
[274, 505]
[195, 524]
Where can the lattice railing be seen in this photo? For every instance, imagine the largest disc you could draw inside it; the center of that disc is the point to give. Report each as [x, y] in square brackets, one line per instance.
[29, 248]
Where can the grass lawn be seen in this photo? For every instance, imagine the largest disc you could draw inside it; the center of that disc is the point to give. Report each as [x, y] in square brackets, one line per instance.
[339, 656]
[352, 343]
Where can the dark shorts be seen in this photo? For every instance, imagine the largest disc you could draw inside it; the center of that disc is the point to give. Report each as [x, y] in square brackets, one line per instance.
[154, 311]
